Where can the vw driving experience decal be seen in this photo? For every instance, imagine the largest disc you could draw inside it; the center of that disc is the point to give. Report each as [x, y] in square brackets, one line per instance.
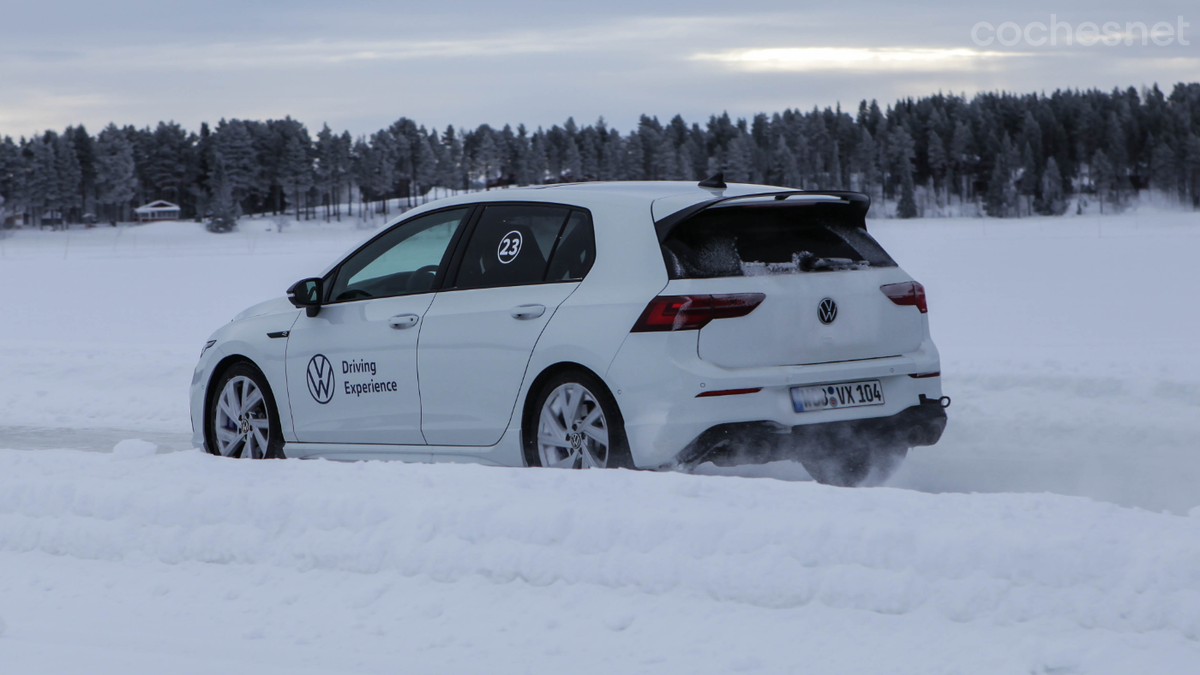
[510, 247]
[321, 379]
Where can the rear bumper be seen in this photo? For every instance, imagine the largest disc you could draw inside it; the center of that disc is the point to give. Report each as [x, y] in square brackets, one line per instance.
[760, 442]
[657, 379]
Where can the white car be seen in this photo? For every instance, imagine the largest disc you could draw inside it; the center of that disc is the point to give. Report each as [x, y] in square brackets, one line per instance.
[640, 325]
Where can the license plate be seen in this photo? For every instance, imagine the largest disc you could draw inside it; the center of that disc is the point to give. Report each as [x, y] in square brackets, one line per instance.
[842, 395]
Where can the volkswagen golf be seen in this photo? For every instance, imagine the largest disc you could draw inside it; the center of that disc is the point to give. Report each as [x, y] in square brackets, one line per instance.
[638, 325]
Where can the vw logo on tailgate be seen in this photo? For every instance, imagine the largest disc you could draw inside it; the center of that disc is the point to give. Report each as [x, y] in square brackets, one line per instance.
[320, 379]
[827, 311]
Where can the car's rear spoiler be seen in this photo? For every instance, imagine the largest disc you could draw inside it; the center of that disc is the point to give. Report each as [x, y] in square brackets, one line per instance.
[856, 201]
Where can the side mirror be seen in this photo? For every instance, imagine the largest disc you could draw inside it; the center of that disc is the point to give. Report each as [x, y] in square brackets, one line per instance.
[307, 293]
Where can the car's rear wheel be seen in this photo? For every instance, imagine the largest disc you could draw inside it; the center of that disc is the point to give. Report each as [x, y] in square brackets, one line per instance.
[856, 466]
[243, 421]
[575, 424]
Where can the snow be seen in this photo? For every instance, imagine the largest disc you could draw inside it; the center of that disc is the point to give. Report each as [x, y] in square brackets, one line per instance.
[134, 447]
[373, 567]
[1068, 346]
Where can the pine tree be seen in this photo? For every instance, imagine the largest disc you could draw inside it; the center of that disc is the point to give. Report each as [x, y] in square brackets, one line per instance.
[572, 160]
[324, 169]
[903, 150]
[381, 167]
[166, 164]
[835, 167]
[635, 158]
[1191, 159]
[1029, 182]
[690, 154]
[666, 160]
[69, 175]
[782, 170]
[361, 163]
[1164, 170]
[612, 166]
[521, 172]
[295, 171]
[85, 151]
[740, 159]
[424, 166]
[42, 182]
[233, 140]
[116, 179]
[1103, 178]
[1001, 198]
[12, 170]
[538, 167]
[1052, 190]
[959, 159]
[450, 170]
[863, 160]
[487, 156]
[935, 156]
[223, 205]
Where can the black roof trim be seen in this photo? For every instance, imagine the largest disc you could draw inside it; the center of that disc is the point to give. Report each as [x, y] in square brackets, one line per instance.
[664, 225]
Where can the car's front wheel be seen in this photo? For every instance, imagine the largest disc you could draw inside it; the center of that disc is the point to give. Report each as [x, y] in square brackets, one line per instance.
[575, 424]
[242, 420]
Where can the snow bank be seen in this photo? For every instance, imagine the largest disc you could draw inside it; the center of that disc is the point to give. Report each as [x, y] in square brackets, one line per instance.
[1089, 573]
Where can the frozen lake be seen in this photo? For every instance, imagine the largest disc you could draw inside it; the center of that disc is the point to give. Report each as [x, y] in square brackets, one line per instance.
[1068, 346]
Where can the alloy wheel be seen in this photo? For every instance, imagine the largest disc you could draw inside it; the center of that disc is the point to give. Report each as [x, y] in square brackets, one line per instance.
[242, 422]
[572, 430]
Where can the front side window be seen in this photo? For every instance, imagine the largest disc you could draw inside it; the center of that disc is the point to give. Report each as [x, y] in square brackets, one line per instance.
[511, 245]
[404, 260]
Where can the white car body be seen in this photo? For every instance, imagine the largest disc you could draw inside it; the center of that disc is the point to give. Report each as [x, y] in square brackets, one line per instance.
[456, 384]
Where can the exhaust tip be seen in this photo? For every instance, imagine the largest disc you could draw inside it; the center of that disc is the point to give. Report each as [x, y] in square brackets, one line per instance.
[944, 401]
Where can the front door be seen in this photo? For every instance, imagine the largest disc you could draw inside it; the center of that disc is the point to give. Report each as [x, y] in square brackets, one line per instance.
[352, 369]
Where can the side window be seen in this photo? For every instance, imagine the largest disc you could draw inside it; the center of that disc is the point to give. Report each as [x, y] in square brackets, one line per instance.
[510, 245]
[404, 260]
[576, 250]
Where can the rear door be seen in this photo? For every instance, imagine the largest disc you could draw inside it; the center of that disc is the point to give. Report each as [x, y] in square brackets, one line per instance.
[820, 273]
[520, 263]
[352, 369]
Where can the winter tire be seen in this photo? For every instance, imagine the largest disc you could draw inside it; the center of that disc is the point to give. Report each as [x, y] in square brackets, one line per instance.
[242, 420]
[575, 424]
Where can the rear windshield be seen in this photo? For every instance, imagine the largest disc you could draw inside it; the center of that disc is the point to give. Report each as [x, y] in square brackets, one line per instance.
[757, 240]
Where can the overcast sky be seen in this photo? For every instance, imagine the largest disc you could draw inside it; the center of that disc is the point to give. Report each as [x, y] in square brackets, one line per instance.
[360, 64]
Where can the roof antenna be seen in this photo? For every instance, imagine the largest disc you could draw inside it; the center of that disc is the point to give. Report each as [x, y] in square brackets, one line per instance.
[715, 182]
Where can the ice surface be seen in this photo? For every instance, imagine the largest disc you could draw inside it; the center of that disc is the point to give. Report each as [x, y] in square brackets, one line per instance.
[1068, 346]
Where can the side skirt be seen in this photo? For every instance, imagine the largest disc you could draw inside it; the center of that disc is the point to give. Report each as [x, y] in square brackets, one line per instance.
[504, 453]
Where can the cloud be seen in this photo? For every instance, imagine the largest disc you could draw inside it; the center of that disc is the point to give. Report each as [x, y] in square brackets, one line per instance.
[815, 59]
[646, 34]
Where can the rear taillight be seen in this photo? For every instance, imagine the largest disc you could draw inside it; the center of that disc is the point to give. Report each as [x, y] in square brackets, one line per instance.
[693, 312]
[909, 293]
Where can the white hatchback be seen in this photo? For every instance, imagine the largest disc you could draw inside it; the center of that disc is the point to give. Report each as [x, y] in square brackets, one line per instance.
[645, 325]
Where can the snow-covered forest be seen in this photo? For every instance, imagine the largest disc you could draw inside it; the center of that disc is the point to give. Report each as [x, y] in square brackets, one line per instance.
[995, 154]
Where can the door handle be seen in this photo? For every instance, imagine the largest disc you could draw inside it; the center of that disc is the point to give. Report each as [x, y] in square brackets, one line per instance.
[527, 312]
[403, 321]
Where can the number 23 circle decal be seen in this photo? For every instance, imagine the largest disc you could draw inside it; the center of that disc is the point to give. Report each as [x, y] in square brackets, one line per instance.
[510, 246]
